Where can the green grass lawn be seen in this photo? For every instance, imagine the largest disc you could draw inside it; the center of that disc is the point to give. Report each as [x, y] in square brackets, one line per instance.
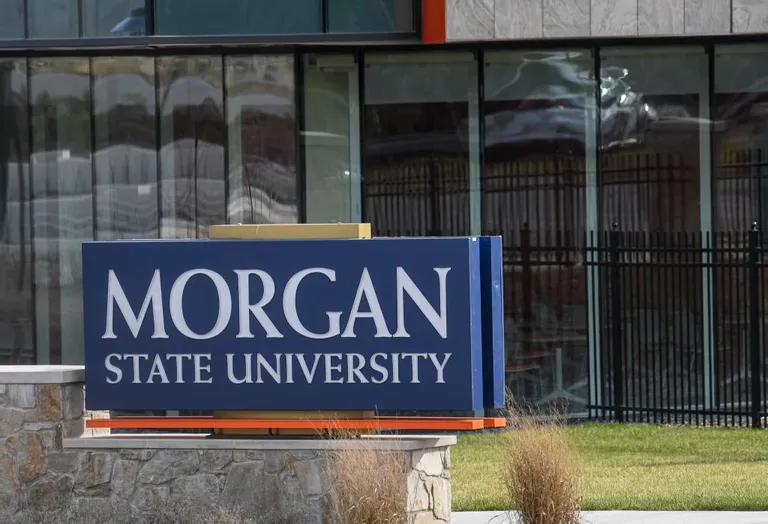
[634, 467]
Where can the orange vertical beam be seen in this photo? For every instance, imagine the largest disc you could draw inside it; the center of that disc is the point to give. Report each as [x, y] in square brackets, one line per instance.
[433, 21]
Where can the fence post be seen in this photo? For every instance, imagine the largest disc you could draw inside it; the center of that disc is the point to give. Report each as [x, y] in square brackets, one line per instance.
[616, 317]
[527, 281]
[434, 199]
[754, 323]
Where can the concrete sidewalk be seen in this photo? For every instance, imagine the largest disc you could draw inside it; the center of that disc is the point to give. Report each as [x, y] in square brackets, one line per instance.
[631, 517]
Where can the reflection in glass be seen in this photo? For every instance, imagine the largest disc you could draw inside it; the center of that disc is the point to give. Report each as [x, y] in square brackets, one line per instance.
[331, 135]
[655, 177]
[741, 139]
[125, 158]
[650, 143]
[16, 310]
[192, 135]
[53, 19]
[12, 19]
[421, 146]
[536, 120]
[108, 18]
[237, 17]
[370, 16]
[62, 202]
[262, 140]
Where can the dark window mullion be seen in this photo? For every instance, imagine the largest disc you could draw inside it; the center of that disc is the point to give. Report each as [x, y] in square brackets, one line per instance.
[26, 22]
[80, 31]
[149, 17]
[225, 116]
[324, 14]
[94, 145]
[299, 126]
[360, 59]
[417, 20]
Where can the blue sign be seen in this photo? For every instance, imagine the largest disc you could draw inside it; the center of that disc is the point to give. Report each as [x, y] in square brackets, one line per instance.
[492, 279]
[387, 324]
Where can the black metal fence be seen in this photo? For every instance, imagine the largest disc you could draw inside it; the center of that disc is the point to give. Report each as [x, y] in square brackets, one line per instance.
[643, 324]
[680, 323]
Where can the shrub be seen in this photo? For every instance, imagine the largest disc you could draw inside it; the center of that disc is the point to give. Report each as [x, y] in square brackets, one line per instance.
[367, 485]
[542, 470]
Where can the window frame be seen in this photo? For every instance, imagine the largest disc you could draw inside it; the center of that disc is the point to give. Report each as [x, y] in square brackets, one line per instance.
[152, 39]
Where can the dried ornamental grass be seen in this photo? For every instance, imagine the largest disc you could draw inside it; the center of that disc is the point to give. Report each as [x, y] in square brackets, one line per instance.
[367, 485]
[542, 471]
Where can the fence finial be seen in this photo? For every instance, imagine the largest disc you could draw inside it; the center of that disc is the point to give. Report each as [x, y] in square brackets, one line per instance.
[754, 226]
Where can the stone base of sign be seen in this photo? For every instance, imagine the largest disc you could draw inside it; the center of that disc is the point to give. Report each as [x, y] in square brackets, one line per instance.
[40, 407]
[137, 478]
[53, 470]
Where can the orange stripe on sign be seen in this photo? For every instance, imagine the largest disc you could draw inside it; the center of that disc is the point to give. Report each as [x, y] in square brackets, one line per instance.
[433, 21]
[406, 423]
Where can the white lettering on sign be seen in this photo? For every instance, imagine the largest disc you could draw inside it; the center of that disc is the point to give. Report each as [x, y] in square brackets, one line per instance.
[154, 297]
[289, 305]
[257, 309]
[158, 371]
[177, 309]
[278, 368]
[405, 286]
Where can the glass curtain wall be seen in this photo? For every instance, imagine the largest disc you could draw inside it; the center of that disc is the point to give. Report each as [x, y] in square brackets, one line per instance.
[331, 139]
[163, 147]
[125, 152]
[53, 18]
[12, 21]
[652, 103]
[741, 202]
[62, 201]
[538, 110]
[16, 263]
[422, 144]
[238, 17]
[741, 141]
[370, 16]
[190, 104]
[655, 186]
[261, 129]
[128, 147]
[72, 19]
[110, 18]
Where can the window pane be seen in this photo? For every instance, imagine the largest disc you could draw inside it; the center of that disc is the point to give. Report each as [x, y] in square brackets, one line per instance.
[536, 122]
[370, 16]
[12, 19]
[651, 105]
[262, 140]
[53, 19]
[62, 202]
[239, 17]
[114, 18]
[417, 143]
[331, 134]
[16, 313]
[125, 158]
[741, 139]
[192, 131]
[655, 178]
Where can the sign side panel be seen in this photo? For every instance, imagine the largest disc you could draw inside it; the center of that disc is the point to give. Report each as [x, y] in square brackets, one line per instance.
[493, 322]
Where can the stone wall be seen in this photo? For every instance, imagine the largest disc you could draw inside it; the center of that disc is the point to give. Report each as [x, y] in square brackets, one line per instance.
[523, 19]
[153, 480]
[35, 418]
[55, 471]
